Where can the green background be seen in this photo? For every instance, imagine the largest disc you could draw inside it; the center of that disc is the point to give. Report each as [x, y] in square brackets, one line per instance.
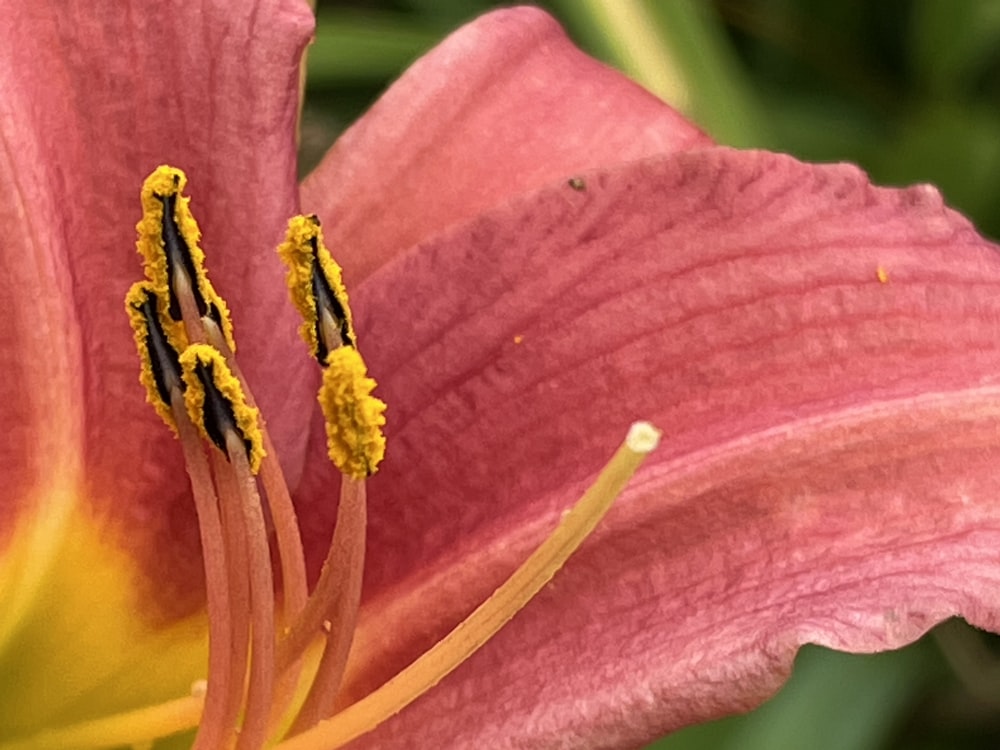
[908, 89]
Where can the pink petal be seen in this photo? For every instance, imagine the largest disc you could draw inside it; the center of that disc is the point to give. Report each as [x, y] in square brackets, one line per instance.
[91, 100]
[828, 469]
[504, 105]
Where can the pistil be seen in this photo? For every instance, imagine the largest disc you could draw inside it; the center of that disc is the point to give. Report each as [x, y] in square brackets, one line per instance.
[479, 627]
[157, 721]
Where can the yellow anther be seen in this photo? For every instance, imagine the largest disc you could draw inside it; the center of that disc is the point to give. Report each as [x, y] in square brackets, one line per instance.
[216, 403]
[315, 282]
[168, 242]
[159, 368]
[354, 417]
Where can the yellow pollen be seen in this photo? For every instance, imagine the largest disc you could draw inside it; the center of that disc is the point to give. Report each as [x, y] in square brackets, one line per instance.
[203, 360]
[882, 275]
[139, 297]
[305, 255]
[167, 184]
[354, 418]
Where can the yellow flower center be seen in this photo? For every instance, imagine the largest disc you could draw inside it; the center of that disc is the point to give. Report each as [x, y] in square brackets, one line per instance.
[259, 644]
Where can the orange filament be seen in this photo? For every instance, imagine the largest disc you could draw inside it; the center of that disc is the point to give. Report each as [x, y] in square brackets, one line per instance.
[287, 535]
[261, 685]
[334, 609]
[237, 557]
[210, 735]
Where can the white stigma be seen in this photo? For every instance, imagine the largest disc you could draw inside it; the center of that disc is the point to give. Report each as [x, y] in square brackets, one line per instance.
[642, 437]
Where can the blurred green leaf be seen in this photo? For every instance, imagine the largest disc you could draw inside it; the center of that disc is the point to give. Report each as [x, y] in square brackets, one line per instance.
[723, 100]
[353, 47]
[679, 51]
[951, 40]
[823, 128]
[450, 13]
[957, 149]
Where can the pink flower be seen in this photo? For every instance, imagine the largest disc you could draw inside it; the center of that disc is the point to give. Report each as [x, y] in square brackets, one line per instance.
[539, 253]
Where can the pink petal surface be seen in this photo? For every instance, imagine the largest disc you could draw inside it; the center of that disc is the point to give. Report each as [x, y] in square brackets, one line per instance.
[504, 105]
[94, 97]
[35, 306]
[827, 472]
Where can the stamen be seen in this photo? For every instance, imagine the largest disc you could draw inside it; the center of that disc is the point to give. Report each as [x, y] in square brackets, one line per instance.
[356, 446]
[354, 418]
[162, 375]
[494, 613]
[316, 285]
[185, 309]
[174, 262]
[216, 403]
[168, 240]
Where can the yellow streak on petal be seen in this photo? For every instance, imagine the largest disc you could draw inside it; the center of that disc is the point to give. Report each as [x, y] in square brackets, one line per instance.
[27, 560]
[85, 646]
[137, 728]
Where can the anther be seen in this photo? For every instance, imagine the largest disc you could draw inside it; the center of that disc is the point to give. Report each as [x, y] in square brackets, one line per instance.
[315, 282]
[354, 417]
[174, 261]
[160, 370]
[216, 403]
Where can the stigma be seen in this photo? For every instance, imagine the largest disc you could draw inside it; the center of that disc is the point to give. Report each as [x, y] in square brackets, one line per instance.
[275, 662]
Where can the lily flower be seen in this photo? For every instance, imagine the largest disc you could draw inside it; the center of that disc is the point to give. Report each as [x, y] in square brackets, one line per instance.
[538, 254]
